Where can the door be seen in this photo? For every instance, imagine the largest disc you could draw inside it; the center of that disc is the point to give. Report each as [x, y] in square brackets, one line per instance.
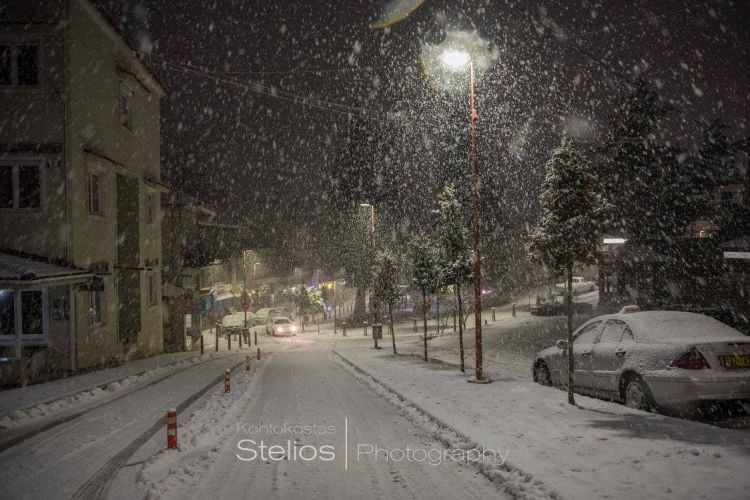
[583, 344]
[609, 355]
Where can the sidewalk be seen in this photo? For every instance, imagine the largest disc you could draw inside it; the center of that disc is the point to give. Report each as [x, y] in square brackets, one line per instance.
[594, 450]
[22, 405]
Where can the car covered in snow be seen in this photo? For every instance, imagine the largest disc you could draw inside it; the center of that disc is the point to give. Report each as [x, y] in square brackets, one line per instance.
[279, 326]
[580, 285]
[653, 359]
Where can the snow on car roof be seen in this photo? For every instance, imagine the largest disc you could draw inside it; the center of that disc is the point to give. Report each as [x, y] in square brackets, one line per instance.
[676, 325]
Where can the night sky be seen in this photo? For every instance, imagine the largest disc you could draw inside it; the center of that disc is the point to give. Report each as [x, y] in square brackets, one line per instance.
[235, 135]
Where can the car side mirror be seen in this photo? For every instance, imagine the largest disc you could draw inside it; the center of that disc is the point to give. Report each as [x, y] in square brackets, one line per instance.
[562, 344]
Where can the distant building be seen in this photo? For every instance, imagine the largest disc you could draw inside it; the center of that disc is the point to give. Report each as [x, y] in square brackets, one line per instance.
[203, 267]
[80, 228]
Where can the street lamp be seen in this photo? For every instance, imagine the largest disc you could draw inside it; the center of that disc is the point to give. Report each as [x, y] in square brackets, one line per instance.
[455, 60]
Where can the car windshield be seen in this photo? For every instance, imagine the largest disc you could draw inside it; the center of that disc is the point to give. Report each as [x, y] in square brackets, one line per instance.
[281, 321]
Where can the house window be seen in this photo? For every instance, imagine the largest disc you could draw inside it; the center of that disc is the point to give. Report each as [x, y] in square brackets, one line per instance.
[96, 187]
[19, 65]
[32, 313]
[96, 307]
[151, 288]
[20, 186]
[126, 109]
[7, 313]
[150, 207]
[24, 310]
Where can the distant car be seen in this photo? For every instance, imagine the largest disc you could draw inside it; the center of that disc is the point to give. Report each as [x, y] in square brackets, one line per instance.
[280, 327]
[580, 285]
[653, 359]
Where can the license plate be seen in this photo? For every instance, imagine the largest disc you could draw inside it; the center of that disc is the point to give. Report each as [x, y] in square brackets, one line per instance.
[733, 361]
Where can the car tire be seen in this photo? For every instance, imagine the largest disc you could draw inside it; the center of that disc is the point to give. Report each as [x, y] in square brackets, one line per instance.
[541, 374]
[636, 394]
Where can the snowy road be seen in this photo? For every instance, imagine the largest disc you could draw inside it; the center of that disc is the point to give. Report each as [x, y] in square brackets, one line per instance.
[307, 388]
[57, 462]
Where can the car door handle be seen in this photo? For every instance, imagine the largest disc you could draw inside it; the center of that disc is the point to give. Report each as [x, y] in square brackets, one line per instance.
[620, 352]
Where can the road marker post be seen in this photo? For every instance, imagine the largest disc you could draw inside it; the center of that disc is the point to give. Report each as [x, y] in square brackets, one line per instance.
[227, 381]
[172, 429]
[258, 353]
[202, 350]
[247, 363]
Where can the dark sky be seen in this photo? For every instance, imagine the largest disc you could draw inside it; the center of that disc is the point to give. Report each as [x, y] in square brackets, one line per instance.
[560, 66]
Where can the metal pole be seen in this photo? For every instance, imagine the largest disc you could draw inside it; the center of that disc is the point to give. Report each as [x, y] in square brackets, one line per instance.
[475, 228]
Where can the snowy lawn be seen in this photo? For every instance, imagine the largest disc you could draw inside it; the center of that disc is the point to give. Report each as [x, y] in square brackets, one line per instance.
[594, 450]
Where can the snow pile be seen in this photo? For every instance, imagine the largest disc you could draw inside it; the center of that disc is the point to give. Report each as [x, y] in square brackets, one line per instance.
[200, 438]
[513, 481]
[25, 416]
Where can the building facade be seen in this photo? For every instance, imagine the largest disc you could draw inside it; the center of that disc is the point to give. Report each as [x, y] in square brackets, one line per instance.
[79, 187]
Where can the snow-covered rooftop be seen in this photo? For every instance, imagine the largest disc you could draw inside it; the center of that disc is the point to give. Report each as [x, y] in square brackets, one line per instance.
[15, 268]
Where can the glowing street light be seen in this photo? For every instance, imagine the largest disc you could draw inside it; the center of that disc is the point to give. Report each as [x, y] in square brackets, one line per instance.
[455, 60]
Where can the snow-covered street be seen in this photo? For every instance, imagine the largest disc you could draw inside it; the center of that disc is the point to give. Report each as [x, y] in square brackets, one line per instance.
[308, 388]
[349, 421]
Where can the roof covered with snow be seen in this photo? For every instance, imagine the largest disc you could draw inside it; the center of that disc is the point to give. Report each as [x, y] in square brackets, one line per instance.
[15, 268]
[656, 326]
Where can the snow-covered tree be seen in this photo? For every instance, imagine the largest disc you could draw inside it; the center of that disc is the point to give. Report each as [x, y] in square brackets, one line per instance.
[456, 256]
[425, 272]
[569, 227]
[385, 288]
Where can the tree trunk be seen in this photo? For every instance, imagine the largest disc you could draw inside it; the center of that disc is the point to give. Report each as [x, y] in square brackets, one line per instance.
[569, 298]
[437, 302]
[360, 312]
[460, 327]
[393, 336]
[424, 321]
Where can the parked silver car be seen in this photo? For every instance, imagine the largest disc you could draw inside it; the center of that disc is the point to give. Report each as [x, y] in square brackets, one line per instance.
[653, 359]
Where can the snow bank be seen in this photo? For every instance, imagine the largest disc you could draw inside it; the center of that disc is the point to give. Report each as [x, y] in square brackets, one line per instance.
[200, 437]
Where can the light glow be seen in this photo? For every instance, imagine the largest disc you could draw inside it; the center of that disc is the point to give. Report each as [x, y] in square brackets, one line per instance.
[454, 60]
[614, 241]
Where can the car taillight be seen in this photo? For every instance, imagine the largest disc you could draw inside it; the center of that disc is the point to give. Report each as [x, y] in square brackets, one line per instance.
[691, 360]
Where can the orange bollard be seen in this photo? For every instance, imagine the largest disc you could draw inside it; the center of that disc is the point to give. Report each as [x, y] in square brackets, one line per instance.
[227, 380]
[247, 363]
[258, 352]
[172, 429]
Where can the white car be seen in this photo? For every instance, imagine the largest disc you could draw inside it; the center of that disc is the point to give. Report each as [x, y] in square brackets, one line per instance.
[280, 327]
[580, 285]
[653, 359]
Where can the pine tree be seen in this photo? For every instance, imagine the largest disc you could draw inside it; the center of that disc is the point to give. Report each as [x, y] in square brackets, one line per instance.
[455, 251]
[569, 227]
[385, 286]
[425, 273]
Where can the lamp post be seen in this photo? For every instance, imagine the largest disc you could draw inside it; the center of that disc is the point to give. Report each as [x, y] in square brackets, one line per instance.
[245, 296]
[455, 60]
